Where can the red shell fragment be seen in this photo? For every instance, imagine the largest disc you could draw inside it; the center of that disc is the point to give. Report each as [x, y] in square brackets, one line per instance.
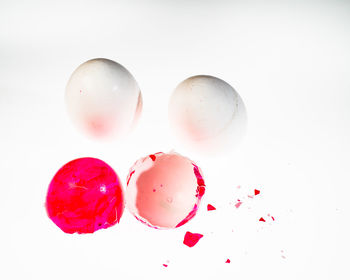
[129, 177]
[200, 180]
[210, 207]
[228, 261]
[262, 219]
[200, 191]
[256, 192]
[191, 239]
[153, 157]
[238, 204]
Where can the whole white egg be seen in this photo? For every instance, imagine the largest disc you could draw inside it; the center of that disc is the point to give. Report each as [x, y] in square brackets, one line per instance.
[207, 114]
[103, 99]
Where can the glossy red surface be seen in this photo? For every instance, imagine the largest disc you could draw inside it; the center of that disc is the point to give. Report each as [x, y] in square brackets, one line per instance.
[85, 195]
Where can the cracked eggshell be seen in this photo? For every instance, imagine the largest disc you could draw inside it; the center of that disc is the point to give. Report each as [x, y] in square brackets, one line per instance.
[164, 190]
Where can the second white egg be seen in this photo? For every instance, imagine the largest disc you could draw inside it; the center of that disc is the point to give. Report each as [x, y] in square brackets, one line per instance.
[207, 114]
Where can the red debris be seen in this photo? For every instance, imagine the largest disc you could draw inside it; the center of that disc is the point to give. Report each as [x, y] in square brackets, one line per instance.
[228, 261]
[127, 183]
[262, 219]
[200, 191]
[272, 218]
[239, 203]
[256, 192]
[198, 175]
[153, 157]
[210, 207]
[191, 239]
[165, 265]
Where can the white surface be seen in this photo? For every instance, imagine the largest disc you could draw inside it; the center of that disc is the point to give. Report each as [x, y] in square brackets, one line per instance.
[289, 60]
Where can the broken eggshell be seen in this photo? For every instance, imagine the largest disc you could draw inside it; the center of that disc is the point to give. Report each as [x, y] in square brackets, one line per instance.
[164, 190]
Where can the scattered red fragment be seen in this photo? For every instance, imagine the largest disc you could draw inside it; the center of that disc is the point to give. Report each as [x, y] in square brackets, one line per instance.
[228, 261]
[165, 265]
[272, 218]
[210, 207]
[256, 192]
[262, 219]
[239, 203]
[191, 239]
[250, 196]
[153, 157]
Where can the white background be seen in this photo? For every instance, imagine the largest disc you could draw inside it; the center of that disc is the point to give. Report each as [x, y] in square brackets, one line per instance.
[289, 60]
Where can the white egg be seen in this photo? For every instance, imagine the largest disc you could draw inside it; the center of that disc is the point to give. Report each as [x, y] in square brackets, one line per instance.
[207, 114]
[103, 98]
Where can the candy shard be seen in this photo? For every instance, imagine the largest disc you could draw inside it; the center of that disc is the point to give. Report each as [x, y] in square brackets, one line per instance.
[191, 239]
[129, 177]
[200, 191]
[210, 207]
[200, 180]
[238, 204]
[153, 157]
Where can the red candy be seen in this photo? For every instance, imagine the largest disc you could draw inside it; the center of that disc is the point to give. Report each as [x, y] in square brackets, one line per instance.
[210, 207]
[191, 239]
[85, 195]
